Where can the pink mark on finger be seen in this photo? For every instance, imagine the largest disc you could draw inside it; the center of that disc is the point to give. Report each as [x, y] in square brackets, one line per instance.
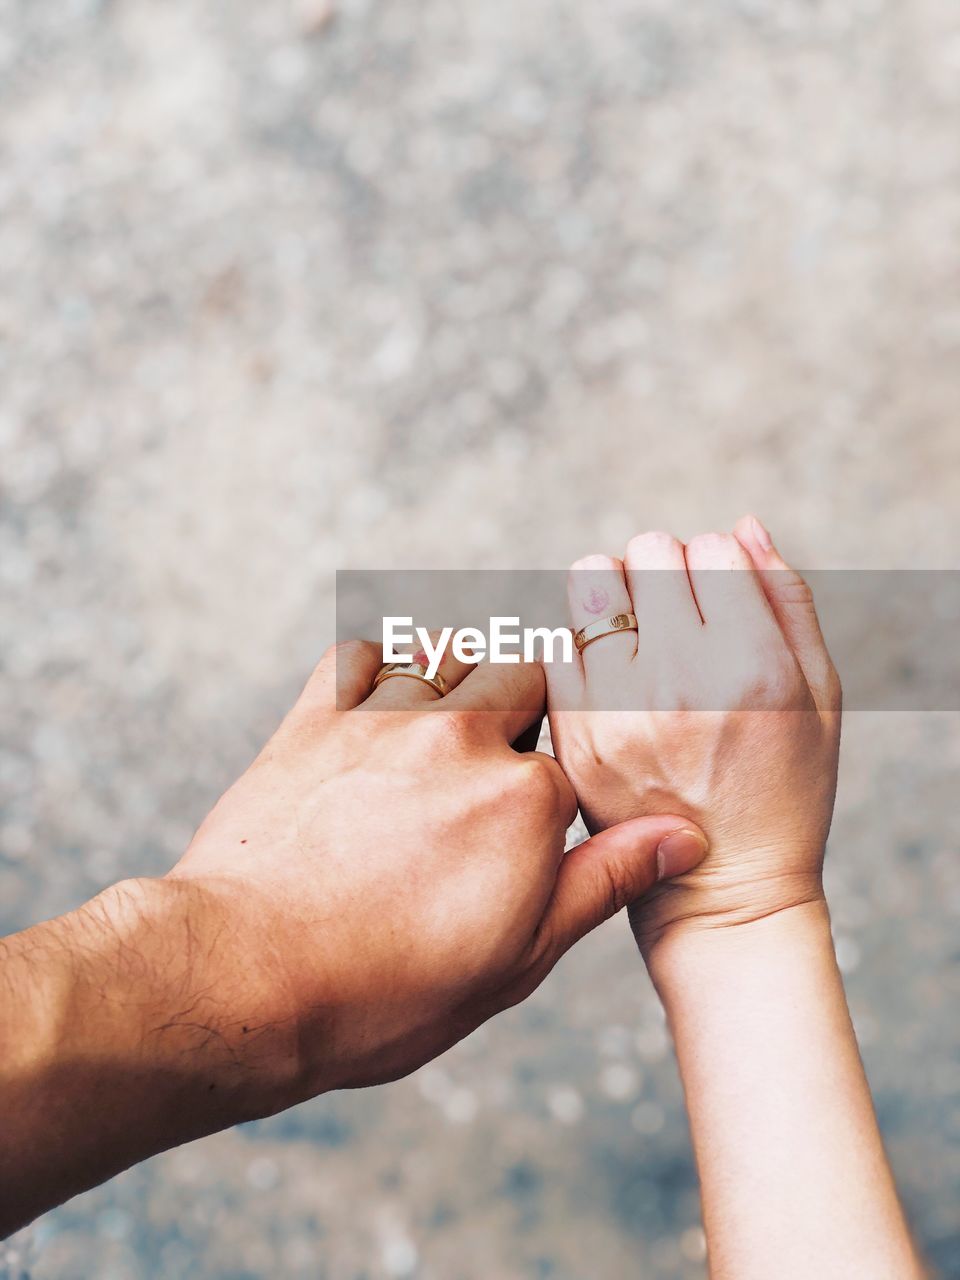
[421, 657]
[597, 601]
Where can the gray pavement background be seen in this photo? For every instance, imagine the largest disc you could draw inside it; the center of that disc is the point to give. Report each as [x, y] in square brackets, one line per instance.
[288, 287]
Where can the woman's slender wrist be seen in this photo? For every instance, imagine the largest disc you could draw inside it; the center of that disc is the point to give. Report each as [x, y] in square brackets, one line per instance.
[685, 959]
[794, 1177]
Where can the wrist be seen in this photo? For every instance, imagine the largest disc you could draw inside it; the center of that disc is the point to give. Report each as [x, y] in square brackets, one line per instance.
[126, 1027]
[780, 1111]
[147, 977]
[706, 953]
[731, 888]
[209, 1008]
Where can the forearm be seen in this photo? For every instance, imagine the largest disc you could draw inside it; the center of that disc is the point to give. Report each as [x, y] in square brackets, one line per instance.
[795, 1180]
[112, 1046]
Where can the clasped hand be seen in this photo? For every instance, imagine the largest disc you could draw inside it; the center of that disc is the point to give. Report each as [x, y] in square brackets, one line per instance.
[391, 870]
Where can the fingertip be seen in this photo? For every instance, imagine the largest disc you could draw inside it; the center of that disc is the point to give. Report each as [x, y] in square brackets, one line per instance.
[754, 537]
[680, 851]
[747, 532]
[743, 531]
[764, 541]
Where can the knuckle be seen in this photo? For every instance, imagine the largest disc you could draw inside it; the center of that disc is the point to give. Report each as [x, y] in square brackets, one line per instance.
[615, 892]
[327, 662]
[651, 540]
[791, 589]
[542, 958]
[775, 683]
[718, 550]
[594, 562]
[348, 651]
[565, 798]
[347, 659]
[536, 779]
[546, 947]
[710, 539]
[448, 731]
[668, 693]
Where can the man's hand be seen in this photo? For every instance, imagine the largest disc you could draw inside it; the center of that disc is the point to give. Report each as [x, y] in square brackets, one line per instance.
[397, 869]
[724, 707]
[386, 876]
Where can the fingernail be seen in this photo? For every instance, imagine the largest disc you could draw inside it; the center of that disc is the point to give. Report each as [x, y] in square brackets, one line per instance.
[678, 852]
[761, 535]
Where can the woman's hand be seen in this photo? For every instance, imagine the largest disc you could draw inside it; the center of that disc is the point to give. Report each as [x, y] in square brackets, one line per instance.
[723, 706]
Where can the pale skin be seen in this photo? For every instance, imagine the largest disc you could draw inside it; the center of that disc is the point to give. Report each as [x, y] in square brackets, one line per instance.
[725, 706]
[386, 876]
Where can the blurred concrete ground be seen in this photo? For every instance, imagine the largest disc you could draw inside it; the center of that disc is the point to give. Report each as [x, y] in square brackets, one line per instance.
[286, 288]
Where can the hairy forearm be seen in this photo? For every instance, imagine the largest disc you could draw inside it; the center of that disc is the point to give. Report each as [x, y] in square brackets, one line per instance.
[113, 1045]
[795, 1179]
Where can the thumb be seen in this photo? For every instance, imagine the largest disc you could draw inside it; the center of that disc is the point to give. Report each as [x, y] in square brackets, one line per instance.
[614, 868]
